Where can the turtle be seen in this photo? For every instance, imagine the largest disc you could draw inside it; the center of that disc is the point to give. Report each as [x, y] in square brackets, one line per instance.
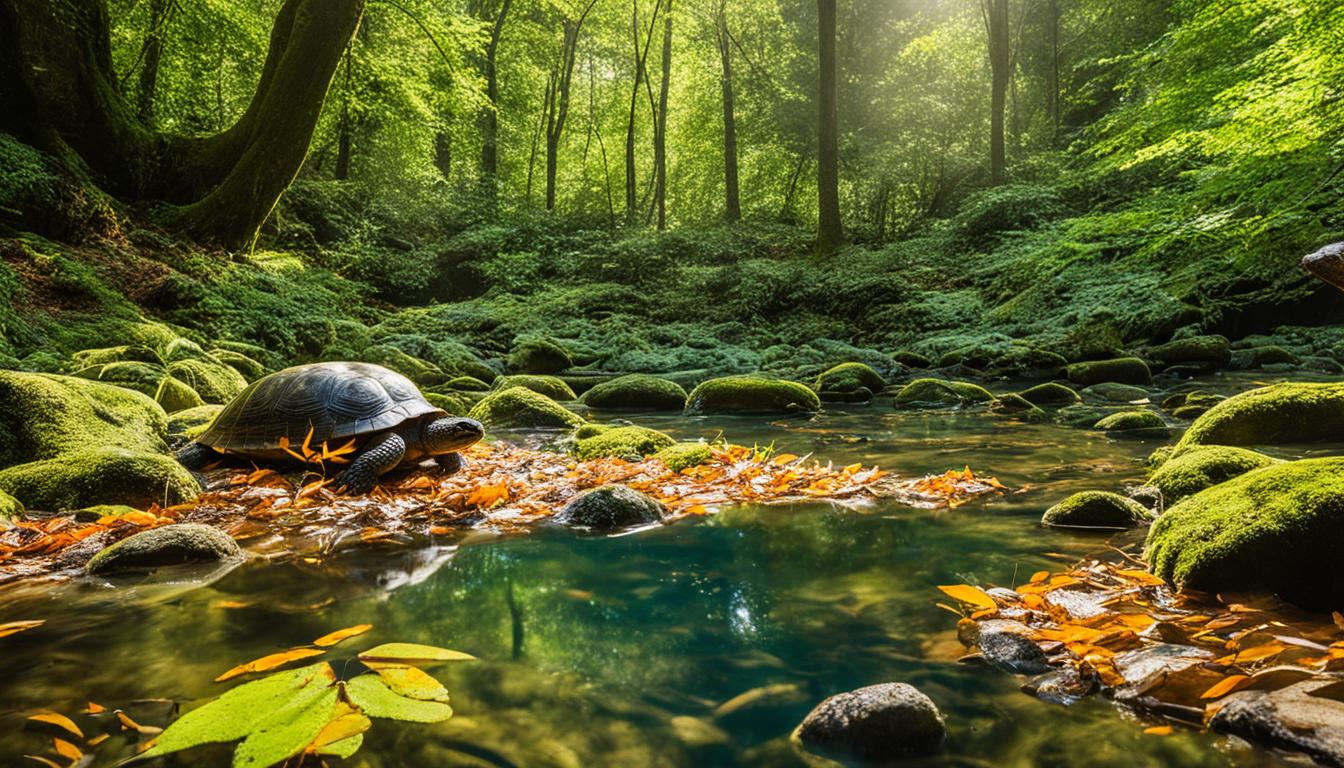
[329, 404]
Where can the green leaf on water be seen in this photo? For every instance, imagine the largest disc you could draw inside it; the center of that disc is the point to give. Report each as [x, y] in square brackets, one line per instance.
[343, 748]
[291, 729]
[239, 712]
[375, 699]
[413, 653]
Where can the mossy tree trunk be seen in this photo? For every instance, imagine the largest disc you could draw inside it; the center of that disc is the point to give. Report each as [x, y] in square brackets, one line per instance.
[58, 91]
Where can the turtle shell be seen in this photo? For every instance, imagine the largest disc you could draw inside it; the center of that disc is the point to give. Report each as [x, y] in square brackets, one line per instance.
[337, 401]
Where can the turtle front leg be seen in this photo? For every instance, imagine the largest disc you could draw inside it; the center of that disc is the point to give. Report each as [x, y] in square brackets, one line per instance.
[450, 463]
[197, 456]
[381, 456]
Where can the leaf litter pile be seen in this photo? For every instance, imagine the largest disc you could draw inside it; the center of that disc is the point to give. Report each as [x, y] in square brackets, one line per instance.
[1107, 626]
[504, 488]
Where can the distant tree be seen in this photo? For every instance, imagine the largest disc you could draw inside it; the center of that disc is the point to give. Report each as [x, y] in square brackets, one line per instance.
[830, 230]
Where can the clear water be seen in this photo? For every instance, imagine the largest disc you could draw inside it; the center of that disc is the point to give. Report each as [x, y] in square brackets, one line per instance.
[629, 644]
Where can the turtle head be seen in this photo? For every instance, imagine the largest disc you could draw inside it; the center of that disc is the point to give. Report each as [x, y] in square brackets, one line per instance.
[450, 434]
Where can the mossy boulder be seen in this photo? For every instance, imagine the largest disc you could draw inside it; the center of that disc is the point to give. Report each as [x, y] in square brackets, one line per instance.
[684, 455]
[939, 393]
[751, 394]
[1207, 351]
[10, 509]
[550, 386]
[1051, 394]
[183, 349]
[1139, 425]
[1097, 509]
[631, 443]
[137, 353]
[636, 391]
[1202, 468]
[1079, 416]
[100, 475]
[1027, 363]
[1121, 370]
[454, 404]
[539, 356]
[1278, 529]
[847, 379]
[250, 369]
[1018, 406]
[611, 508]
[1277, 414]
[911, 359]
[215, 382]
[422, 372]
[521, 407]
[193, 421]
[177, 544]
[1259, 357]
[467, 384]
[148, 379]
[43, 416]
[1110, 392]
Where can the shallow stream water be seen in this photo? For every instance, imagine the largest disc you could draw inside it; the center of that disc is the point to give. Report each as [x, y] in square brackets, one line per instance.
[637, 650]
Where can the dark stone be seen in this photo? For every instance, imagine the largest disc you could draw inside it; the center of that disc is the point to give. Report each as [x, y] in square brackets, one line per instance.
[169, 545]
[877, 723]
[1290, 719]
[611, 508]
[1012, 652]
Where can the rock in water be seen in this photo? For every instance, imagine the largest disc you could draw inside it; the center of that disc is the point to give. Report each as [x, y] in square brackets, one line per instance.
[169, 545]
[877, 723]
[1291, 718]
[1012, 651]
[611, 508]
[1097, 509]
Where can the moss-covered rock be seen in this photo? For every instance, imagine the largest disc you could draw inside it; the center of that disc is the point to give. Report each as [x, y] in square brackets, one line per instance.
[847, 379]
[120, 354]
[1279, 528]
[1209, 351]
[250, 369]
[550, 386]
[1110, 392]
[1202, 468]
[636, 391]
[101, 511]
[1121, 370]
[939, 393]
[215, 382]
[684, 455]
[610, 508]
[149, 379]
[10, 509]
[99, 475]
[43, 416]
[454, 404]
[193, 421]
[539, 356]
[467, 384]
[1259, 357]
[1277, 414]
[1017, 406]
[751, 394]
[521, 407]
[911, 359]
[1027, 363]
[1139, 425]
[183, 349]
[1051, 394]
[630, 443]
[422, 372]
[169, 545]
[1079, 416]
[1097, 509]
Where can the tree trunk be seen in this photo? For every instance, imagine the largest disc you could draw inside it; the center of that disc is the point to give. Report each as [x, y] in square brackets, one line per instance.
[149, 66]
[660, 135]
[489, 118]
[557, 107]
[1054, 72]
[732, 193]
[222, 187]
[641, 58]
[830, 231]
[342, 171]
[1000, 63]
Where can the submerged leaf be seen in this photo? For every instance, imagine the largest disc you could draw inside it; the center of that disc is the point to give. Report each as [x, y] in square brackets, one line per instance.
[58, 720]
[290, 729]
[375, 699]
[15, 627]
[270, 662]
[413, 653]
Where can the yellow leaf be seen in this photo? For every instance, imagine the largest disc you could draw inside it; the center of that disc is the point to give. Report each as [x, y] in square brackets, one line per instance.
[489, 495]
[1258, 653]
[1159, 730]
[970, 595]
[409, 681]
[1143, 577]
[307, 443]
[58, 720]
[99, 739]
[412, 653]
[269, 662]
[66, 749]
[1225, 686]
[333, 638]
[14, 627]
[94, 709]
[1038, 577]
[351, 723]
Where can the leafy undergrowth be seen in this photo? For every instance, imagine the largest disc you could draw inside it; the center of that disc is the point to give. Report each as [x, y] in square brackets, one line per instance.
[296, 716]
[1109, 627]
[504, 488]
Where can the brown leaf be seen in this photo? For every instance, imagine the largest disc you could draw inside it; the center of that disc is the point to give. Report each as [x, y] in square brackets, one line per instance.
[60, 721]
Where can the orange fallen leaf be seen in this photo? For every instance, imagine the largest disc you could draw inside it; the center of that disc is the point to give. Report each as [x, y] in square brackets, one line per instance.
[14, 627]
[58, 720]
[130, 725]
[44, 761]
[94, 709]
[67, 750]
[1159, 730]
[971, 595]
[270, 662]
[1225, 686]
[332, 638]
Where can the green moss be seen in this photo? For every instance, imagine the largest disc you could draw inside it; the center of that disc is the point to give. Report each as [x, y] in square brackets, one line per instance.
[521, 407]
[937, 392]
[539, 356]
[549, 386]
[454, 404]
[632, 443]
[1122, 370]
[849, 377]
[193, 421]
[119, 354]
[10, 509]
[1097, 509]
[1201, 468]
[43, 416]
[1027, 363]
[1212, 351]
[1279, 528]
[100, 475]
[586, 431]
[751, 394]
[684, 455]
[912, 359]
[99, 511]
[468, 384]
[1079, 416]
[1139, 425]
[174, 396]
[214, 382]
[1282, 413]
[1018, 406]
[250, 369]
[422, 372]
[1051, 394]
[1259, 357]
[168, 545]
[637, 391]
[183, 349]
[1110, 392]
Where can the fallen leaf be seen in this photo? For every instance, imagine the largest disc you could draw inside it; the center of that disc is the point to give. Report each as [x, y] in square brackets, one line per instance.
[971, 595]
[67, 750]
[409, 681]
[14, 627]
[1159, 730]
[333, 638]
[44, 761]
[60, 721]
[94, 709]
[269, 662]
[412, 653]
[1225, 686]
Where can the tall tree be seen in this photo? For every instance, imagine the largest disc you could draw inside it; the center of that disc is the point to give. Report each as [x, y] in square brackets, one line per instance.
[489, 117]
[641, 60]
[151, 52]
[1055, 94]
[343, 126]
[556, 102]
[58, 92]
[830, 230]
[660, 133]
[732, 194]
[995, 13]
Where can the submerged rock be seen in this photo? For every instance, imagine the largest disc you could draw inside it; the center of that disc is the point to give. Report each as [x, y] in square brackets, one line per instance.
[168, 545]
[1273, 415]
[636, 391]
[1205, 351]
[939, 393]
[550, 386]
[1017, 406]
[849, 383]
[521, 407]
[1027, 363]
[630, 443]
[1097, 509]
[539, 356]
[1139, 425]
[1051, 394]
[611, 508]
[1110, 392]
[1201, 468]
[1010, 650]
[1291, 719]
[751, 394]
[878, 723]
[1278, 529]
[1121, 370]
